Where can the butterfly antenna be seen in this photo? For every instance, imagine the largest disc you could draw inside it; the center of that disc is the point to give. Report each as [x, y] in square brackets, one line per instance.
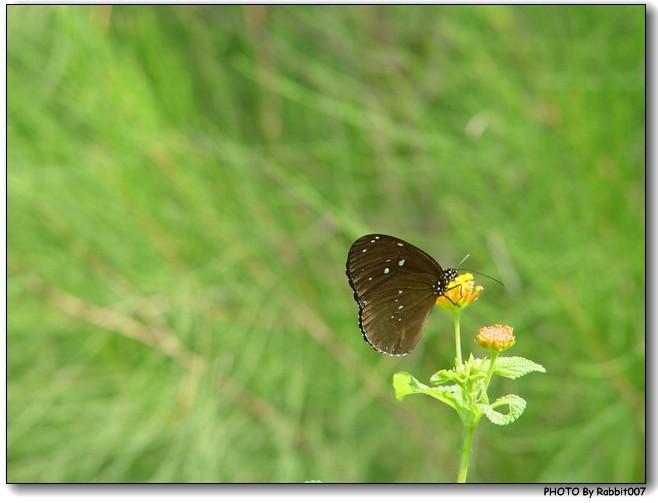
[481, 274]
[464, 259]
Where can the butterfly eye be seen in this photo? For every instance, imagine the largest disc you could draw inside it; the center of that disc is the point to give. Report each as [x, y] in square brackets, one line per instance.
[395, 286]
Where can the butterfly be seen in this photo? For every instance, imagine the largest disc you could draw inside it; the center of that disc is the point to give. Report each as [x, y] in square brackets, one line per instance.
[396, 286]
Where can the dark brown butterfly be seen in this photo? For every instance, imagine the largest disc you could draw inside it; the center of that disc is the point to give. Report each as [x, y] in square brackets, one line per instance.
[396, 286]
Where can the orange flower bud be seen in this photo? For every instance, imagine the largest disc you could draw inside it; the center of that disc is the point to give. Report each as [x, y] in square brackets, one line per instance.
[496, 337]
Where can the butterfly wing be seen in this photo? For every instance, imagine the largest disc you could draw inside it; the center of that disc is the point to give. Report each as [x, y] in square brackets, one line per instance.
[393, 283]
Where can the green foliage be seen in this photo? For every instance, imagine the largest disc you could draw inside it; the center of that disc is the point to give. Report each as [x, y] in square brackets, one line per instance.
[514, 367]
[184, 182]
[516, 406]
[465, 374]
[470, 388]
[406, 384]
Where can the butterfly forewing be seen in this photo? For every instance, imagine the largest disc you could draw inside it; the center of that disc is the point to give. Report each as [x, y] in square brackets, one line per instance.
[396, 286]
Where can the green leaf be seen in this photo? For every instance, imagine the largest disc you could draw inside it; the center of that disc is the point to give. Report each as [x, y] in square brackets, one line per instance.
[444, 376]
[514, 367]
[406, 384]
[516, 407]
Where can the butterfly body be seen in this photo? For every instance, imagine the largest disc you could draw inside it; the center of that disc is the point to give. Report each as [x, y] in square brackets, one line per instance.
[395, 286]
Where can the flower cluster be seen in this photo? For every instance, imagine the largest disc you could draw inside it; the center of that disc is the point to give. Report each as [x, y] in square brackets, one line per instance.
[495, 338]
[460, 293]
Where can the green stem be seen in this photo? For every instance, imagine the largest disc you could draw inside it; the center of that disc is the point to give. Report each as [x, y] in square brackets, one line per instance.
[458, 345]
[466, 450]
[494, 355]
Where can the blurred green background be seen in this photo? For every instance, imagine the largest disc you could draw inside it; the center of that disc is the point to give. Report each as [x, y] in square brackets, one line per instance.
[184, 184]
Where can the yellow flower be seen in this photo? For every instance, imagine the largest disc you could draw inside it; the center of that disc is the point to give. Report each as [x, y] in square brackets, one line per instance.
[459, 293]
[495, 337]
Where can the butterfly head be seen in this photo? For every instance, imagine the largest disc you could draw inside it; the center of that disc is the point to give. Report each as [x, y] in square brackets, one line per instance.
[441, 285]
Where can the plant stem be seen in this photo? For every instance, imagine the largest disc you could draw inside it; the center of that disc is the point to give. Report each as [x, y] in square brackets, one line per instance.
[458, 345]
[494, 355]
[471, 422]
[469, 428]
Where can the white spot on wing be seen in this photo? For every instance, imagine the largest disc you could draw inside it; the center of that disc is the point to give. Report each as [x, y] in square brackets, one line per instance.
[400, 244]
[401, 263]
[400, 307]
[387, 270]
